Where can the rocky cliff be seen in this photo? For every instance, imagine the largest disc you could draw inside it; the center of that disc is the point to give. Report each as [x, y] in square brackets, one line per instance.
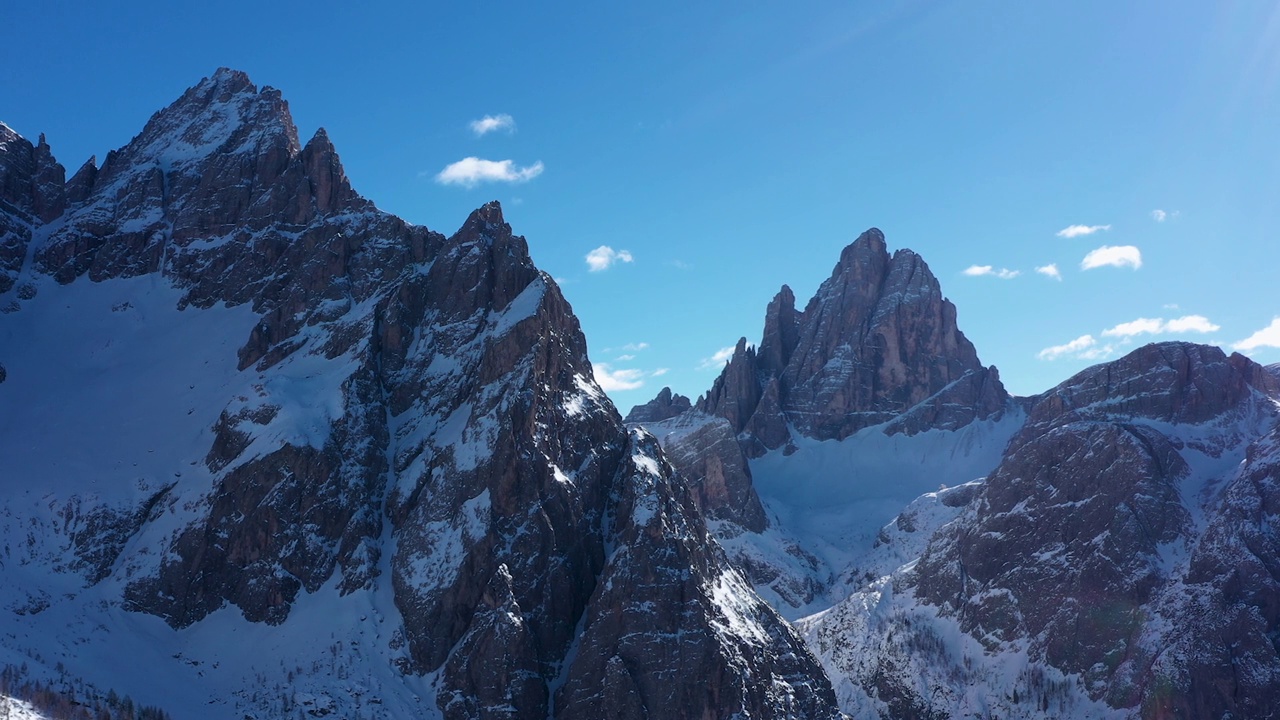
[876, 340]
[322, 406]
[1105, 560]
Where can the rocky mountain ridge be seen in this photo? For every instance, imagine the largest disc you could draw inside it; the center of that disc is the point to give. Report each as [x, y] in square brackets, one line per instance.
[876, 359]
[322, 411]
[1100, 570]
[1085, 555]
[294, 457]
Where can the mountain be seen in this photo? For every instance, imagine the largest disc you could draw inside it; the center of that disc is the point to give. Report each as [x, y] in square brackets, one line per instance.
[1121, 561]
[291, 455]
[846, 412]
[877, 340]
[1103, 549]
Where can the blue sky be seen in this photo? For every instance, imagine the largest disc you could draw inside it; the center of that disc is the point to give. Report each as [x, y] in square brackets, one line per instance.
[718, 155]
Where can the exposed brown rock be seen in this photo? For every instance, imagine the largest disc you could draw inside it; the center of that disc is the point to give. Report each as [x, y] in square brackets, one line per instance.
[716, 471]
[666, 580]
[662, 407]
[735, 394]
[875, 342]
[80, 186]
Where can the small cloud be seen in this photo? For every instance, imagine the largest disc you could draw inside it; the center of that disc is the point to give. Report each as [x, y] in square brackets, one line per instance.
[611, 380]
[1078, 230]
[1150, 326]
[1096, 353]
[1114, 256]
[624, 358]
[1268, 336]
[471, 171]
[1159, 215]
[717, 361]
[1084, 347]
[1170, 306]
[1158, 326]
[1191, 323]
[493, 123]
[1050, 270]
[636, 347]
[1002, 273]
[603, 257]
[680, 265]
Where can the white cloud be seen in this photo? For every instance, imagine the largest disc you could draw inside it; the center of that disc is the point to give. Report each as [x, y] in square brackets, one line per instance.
[717, 361]
[611, 380]
[624, 358]
[1151, 326]
[1002, 273]
[1155, 326]
[493, 123]
[1050, 270]
[1268, 336]
[1191, 323]
[636, 347]
[471, 171]
[1159, 215]
[1096, 353]
[1084, 347]
[603, 257]
[1077, 230]
[1114, 256]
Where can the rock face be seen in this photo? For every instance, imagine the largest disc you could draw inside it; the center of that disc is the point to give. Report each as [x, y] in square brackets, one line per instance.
[409, 416]
[875, 341]
[31, 192]
[662, 407]
[1109, 549]
[876, 344]
[876, 347]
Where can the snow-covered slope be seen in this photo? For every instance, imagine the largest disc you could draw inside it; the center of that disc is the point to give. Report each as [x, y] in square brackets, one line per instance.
[827, 501]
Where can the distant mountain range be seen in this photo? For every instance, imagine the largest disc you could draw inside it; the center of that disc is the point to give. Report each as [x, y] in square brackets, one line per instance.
[269, 452]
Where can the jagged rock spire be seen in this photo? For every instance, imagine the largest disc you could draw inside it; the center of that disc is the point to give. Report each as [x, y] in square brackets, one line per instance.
[876, 339]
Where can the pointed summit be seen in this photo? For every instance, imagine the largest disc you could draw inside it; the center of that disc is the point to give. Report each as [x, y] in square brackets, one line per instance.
[223, 114]
[485, 223]
[329, 185]
[876, 340]
[489, 215]
[223, 157]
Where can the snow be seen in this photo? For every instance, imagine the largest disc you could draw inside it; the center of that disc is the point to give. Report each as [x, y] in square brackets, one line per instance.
[14, 709]
[525, 305]
[446, 544]
[831, 498]
[884, 637]
[739, 605]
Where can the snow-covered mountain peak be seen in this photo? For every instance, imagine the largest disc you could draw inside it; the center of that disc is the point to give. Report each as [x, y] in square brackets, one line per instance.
[224, 113]
[331, 415]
